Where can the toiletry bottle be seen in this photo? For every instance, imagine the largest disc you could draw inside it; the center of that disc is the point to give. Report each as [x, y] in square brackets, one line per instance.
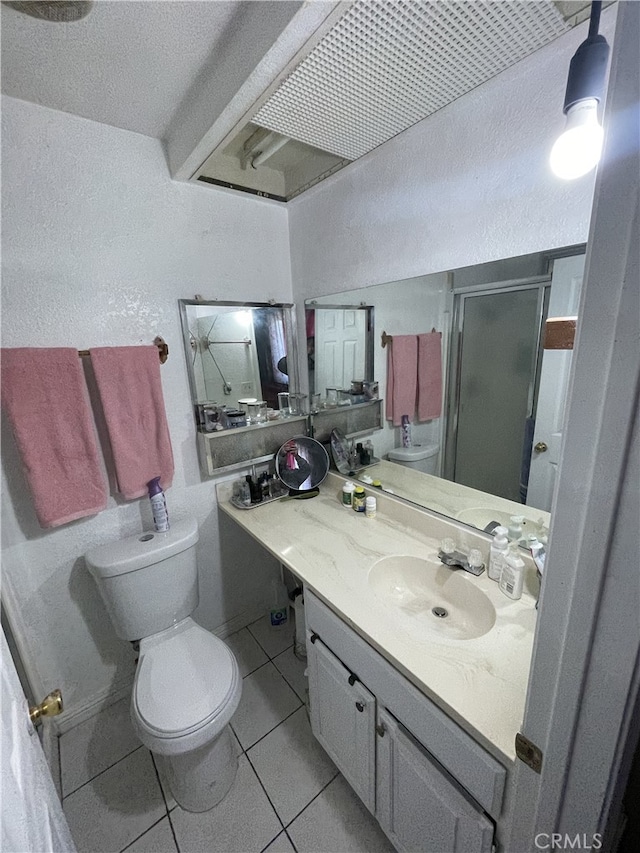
[158, 505]
[359, 498]
[497, 553]
[368, 446]
[370, 507]
[514, 533]
[245, 493]
[406, 431]
[377, 484]
[512, 575]
[279, 610]
[347, 493]
[264, 485]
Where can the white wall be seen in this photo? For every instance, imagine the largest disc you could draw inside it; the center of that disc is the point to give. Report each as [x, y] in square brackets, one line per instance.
[98, 245]
[402, 308]
[467, 185]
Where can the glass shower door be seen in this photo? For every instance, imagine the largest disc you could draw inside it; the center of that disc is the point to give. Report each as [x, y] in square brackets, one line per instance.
[498, 338]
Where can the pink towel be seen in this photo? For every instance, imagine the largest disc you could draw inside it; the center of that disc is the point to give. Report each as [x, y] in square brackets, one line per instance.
[130, 389]
[429, 376]
[402, 377]
[47, 403]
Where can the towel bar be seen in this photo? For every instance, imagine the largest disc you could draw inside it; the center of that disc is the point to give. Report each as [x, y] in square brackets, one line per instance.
[163, 350]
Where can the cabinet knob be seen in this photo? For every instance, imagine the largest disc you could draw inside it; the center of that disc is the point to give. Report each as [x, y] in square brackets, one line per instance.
[381, 729]
[352, 679]
[541, 447]
[360, 706]
[314, 637]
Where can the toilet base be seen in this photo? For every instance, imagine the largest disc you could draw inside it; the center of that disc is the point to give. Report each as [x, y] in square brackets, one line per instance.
[200, 779]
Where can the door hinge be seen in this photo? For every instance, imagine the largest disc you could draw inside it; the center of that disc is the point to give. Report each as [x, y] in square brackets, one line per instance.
[528, 752]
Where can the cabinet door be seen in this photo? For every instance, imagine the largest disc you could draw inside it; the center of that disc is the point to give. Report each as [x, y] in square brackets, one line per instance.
[343, 719]
[419, 805]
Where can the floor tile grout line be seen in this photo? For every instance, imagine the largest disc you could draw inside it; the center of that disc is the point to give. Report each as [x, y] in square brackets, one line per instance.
[283, 720]
[173, 832]
[157, 772]
[295, 849]
[315, 797]
[143, 833]
[275, 811]
[75, 790]
[289, 683]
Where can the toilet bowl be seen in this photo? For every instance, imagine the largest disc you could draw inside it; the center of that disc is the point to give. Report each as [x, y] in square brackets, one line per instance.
[187, 684]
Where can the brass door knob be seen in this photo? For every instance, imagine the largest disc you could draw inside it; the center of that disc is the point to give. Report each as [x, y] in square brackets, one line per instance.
[50, 706]
[540, 447]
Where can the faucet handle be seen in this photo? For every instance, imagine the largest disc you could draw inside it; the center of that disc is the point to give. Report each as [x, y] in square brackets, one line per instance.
[448, 546]
[475, 560]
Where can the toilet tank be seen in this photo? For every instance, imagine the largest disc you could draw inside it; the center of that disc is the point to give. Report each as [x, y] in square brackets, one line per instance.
[148, 581]
[420, 457]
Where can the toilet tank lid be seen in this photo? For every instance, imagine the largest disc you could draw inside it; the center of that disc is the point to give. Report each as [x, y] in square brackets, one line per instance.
[142, 549]
[414, 453]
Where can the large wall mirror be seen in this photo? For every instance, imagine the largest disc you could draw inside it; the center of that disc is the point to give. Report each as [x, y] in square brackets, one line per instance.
[497, 441]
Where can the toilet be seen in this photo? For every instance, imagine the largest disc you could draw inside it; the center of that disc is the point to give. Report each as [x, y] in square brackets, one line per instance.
[420, 457]
[187, 684]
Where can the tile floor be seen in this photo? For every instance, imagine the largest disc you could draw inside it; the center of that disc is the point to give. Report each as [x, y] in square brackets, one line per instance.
[288, 795]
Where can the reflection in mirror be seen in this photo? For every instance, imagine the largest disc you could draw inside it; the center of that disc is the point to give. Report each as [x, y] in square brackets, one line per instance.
[342, 337]
[494, 451]
[237, 358]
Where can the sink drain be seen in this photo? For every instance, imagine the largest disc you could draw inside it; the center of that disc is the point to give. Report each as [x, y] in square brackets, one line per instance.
[440, 612]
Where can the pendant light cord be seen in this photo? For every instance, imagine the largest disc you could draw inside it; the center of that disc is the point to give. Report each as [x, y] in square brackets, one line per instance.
[594, 21]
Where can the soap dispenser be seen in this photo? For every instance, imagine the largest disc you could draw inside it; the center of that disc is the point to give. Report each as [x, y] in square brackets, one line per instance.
[497, 553]
[512, 575]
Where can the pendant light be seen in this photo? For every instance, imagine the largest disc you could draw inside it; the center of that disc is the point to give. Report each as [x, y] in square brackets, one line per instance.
[578, 149]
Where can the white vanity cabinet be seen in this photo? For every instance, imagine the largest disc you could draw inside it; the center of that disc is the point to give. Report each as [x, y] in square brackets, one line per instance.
[429, 784]
[343, 719]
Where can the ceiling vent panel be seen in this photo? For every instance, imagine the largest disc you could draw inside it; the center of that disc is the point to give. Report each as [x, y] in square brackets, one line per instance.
[387, 65]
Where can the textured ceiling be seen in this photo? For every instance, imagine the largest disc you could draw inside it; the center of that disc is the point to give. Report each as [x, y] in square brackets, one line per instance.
[127, 64]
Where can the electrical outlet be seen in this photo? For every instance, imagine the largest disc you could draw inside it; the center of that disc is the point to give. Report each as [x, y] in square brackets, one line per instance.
[246, 387]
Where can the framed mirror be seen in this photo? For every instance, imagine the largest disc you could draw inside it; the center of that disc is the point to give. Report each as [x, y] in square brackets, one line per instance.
[493, 451]
[242, 365]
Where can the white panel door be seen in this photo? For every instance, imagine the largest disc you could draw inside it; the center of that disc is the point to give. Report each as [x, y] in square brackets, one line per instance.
[32, 817]
[343, 716]
[419, 805]
[566, 283]
[340, 336]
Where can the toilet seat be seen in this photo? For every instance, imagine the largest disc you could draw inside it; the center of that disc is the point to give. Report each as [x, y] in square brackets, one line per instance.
[187, 688]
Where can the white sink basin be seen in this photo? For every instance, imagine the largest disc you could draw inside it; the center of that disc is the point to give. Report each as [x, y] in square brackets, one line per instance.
[443, 601]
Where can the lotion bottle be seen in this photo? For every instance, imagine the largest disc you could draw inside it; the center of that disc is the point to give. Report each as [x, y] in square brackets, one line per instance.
[497, 553]
[512, 575]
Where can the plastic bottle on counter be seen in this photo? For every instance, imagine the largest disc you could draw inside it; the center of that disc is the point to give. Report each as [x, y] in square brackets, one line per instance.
[359, 498]
[158, 505]
[512, 575]
[347, 493]
[514, 532]
[497, 553]
[370, 507]
[279, 610]
[406, 431]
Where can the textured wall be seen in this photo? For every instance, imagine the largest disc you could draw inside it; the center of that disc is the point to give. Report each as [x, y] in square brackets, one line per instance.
[467, 185]
[98, 245]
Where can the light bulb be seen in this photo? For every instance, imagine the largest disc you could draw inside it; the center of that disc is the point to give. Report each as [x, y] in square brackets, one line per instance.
[578, 149]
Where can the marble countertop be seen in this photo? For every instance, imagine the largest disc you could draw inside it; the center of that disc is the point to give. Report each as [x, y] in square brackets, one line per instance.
[481, 683]
[453, 499]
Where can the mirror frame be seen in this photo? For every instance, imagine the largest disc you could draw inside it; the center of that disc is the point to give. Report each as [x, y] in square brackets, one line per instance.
[289, 314]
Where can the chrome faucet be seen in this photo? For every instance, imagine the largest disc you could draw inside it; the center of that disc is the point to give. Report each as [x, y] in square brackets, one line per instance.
[450, 556]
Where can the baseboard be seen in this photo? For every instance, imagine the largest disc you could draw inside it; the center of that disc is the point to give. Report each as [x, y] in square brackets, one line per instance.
[93, 705]
[238, 622]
